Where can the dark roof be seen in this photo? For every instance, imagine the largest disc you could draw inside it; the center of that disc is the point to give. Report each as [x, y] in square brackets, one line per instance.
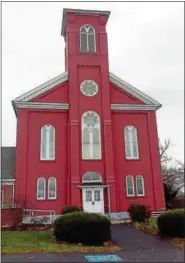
[8, 162]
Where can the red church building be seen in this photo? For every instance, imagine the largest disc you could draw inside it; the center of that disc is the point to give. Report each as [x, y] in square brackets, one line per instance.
[86, 137]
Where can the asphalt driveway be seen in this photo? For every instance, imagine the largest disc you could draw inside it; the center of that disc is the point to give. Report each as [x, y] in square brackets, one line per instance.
[137, 247]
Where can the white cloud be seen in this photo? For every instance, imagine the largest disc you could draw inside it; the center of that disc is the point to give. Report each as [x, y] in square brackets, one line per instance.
[146, 48]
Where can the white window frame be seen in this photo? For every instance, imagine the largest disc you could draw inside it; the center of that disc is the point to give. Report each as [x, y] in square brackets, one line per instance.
[131, 143]
[90, 175]
[143, 185]
[94, 34]
[83, 83]
[55, 197]
[130, 195]
[47, 158]
[98, 126]
[41, 198]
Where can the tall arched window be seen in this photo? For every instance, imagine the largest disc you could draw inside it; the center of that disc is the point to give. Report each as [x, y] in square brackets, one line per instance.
[91, 138]
[87, 39]
[52, 188]
[140, 188]
[131, 142]
[47, 145]
[41, 188]
[130, 185]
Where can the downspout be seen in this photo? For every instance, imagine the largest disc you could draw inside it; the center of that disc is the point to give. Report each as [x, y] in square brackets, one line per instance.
[108, 192]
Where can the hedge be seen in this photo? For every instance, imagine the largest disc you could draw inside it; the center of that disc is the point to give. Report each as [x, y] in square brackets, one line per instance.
[82, 227]
[171, 224]
[69, 209]
[139, 212]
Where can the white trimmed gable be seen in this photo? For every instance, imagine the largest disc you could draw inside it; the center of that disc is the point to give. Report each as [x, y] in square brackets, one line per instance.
[23, 101]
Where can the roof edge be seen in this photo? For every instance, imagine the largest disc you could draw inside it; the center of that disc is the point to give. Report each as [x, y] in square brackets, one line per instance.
[133, 91]
[43, 87]
[83, 12]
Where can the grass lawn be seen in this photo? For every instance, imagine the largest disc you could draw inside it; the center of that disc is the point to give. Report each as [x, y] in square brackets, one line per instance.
[38, 241]
[151, 228]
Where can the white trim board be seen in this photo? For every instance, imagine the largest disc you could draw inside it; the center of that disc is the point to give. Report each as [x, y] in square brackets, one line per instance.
[43, 88]
[23, 100]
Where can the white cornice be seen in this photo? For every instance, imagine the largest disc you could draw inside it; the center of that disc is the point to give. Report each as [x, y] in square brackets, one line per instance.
[132, 90]
[41, 105]
[135, 107]
[43, 88]
[82, 12]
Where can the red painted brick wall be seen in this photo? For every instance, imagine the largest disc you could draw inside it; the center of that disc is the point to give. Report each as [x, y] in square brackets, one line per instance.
[11, 216]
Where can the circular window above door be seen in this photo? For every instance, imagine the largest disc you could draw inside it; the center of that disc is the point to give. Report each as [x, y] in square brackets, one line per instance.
[89, 87]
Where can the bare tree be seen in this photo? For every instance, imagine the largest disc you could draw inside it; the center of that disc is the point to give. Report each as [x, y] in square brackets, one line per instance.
[173, 176]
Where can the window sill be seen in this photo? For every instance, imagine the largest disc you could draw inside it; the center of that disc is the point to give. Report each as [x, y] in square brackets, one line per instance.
[88, 53]
[132, 159]
[49, 161]
[135, 196]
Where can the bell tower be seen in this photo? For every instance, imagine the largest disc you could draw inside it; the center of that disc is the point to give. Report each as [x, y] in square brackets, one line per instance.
[86, 59]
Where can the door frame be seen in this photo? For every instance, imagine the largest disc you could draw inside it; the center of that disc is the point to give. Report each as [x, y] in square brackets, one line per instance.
[98, 186]
[101, 202]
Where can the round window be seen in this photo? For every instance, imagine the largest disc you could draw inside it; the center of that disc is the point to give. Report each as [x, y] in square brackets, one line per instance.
[89, 87]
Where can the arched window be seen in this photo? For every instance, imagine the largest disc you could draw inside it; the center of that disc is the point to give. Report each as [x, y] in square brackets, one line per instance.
[52, 188]
[47, 145]
[130, 185]
[131, 142]
[87, 39]
[92, 177]
[91, 138]
[41, 188]
[140, 188]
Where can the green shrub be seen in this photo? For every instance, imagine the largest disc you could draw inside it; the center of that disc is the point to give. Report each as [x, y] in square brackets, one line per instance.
[175, 211]
[171, 224]
[139, 213]
[70, 209]
[82, 227]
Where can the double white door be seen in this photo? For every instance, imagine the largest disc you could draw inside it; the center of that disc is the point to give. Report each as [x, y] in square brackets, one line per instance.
[93, 200]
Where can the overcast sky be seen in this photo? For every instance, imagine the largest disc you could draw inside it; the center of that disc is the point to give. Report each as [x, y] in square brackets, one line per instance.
[146, 49]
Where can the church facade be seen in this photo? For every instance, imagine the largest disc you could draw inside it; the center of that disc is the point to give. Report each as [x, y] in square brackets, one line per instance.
[86, 137]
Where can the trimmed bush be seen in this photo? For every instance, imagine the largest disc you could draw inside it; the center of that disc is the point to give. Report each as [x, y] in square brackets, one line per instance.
[175, 211]
[70, 209]
[139, 213]
[171, 224]
[82, 227]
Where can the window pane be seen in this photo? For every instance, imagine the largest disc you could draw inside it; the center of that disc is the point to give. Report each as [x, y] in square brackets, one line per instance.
[51, 142]
[41, 188]
[52, 188]
[86, 143]
[43, 142]
[135, 150]
[91, 42]
[130, 190]
[88, 195]
[128, 149]
[83, 42]
[140, 189]
[97, 195]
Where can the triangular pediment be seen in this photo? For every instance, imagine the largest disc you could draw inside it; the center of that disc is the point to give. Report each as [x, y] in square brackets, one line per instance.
[41, 89]
[132, 91]
[136, 96]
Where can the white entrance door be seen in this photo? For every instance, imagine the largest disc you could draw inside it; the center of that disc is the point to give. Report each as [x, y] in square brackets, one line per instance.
[93, 200]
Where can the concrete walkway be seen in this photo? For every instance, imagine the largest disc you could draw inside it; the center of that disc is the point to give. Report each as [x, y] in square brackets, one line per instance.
[137, 247]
